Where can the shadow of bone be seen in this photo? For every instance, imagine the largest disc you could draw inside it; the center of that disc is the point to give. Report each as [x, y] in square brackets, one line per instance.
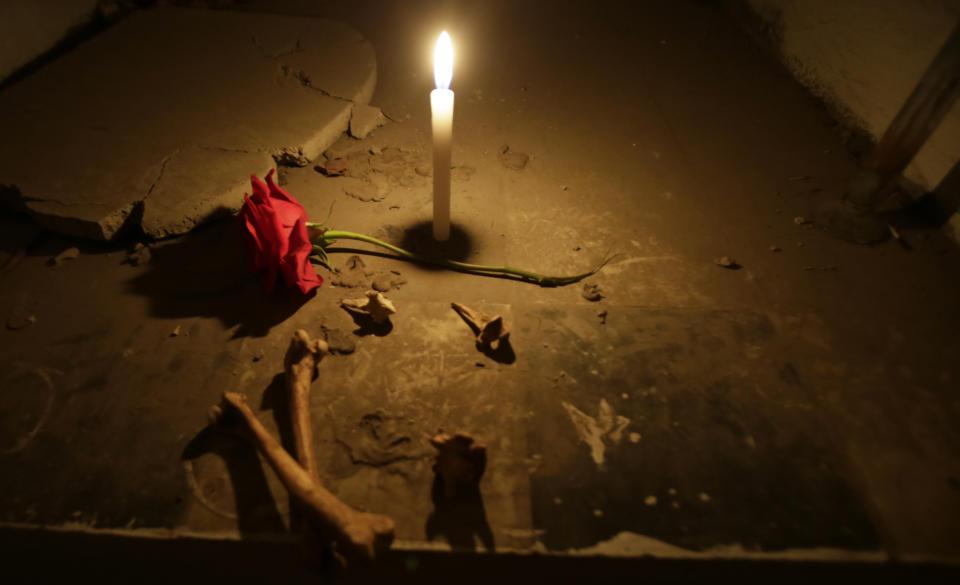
[205, 274]
[256, 508]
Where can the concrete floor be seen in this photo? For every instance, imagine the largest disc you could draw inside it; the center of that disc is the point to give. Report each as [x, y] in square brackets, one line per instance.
[801, 407]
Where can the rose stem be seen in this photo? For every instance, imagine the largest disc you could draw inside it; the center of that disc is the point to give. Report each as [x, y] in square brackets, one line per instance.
[328, 236]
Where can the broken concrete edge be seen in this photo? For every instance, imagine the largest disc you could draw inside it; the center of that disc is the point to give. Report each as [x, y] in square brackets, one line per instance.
[622, 545]
[46, 212]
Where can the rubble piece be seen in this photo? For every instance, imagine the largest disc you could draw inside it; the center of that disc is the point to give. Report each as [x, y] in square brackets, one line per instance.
[460, 461]
[175, 332]
[603, 316]
[339, 342]
[776, 249]
[727, 262]
[800, 220]
[360, 537]
[139, 255]
[377, 306]
[300, 366]
[591, 292]
[19, 321]
[516, 161]
[365, 119]
[335, 167]
[491, 332]
[68, 254]
[422, 170]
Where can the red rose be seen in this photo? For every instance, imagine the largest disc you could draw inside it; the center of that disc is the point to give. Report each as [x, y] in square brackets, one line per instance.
[276, 236]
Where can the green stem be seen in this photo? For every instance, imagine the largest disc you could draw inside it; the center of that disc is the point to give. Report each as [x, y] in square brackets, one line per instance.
[327, 237]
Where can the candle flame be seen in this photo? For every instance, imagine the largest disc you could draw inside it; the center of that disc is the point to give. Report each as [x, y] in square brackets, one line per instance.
[443, 62]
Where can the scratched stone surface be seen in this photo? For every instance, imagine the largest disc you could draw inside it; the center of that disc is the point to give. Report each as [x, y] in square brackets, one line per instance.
[783, 410]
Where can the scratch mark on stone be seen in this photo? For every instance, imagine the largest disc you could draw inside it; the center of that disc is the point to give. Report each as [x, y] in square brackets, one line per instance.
[27, 437]
[596, 432]
[163, 167]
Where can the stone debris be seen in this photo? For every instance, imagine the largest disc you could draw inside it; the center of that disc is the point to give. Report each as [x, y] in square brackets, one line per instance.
[516, 161]
[597, 512]
[139, 255]
[422, 170]
[650, 500]
[68, 254]
[704, 497]
[175, 332]
[335, 167]
[19, 321]
[727, 262]
[800, 220]
[339, 342]
[603, 316]
[591, 292]
[365, 119]
[635, 437]
[776, 249]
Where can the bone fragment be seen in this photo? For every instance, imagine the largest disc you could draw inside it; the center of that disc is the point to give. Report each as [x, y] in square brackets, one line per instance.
[491, 331]
[300, 365]
[377, 306]
[359, 536]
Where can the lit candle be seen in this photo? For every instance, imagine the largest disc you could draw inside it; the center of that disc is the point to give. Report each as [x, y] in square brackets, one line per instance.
[441, 106]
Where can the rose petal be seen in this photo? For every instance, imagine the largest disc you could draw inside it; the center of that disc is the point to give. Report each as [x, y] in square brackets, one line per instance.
[297, 269]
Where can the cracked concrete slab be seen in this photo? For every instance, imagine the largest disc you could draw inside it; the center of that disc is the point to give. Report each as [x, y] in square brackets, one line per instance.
[161, 119]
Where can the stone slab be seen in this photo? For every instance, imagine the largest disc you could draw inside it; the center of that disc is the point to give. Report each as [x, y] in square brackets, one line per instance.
[161, 119]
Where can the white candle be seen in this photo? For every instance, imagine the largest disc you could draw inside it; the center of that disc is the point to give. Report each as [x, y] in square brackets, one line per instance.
[441, 106]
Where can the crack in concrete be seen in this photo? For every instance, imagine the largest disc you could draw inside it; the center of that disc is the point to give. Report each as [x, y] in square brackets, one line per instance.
[289, 71]
[163, 167]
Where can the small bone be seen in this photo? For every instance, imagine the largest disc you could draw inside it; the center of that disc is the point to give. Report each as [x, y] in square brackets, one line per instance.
[489, 330]
[460, 461]
[300, 364]
[359, 536]
[374, 304]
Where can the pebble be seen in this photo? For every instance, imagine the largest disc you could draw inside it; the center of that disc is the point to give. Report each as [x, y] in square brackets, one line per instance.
[598, 513]
[175, 332]
[68, 254]
[726, 262]
[650, 500]
[704, 497]
[591, 292]
[635, 437]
